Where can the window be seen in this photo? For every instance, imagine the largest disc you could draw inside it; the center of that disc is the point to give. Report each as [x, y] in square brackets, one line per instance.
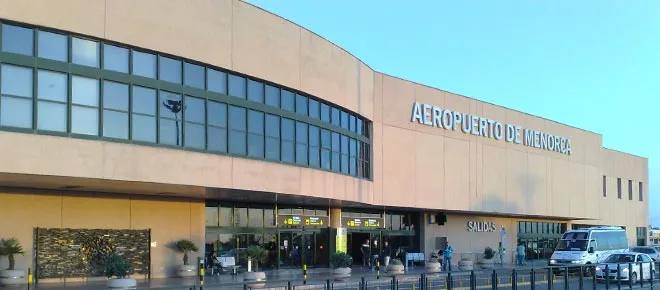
[237, 86]
[115, 110]
[84, 106]
[255, 134]
[325, 113]
[618, 187]
[16, 96]
[272, 137]
[301, 105]
[217, 126]
[301, 143]
[216, 81]
[84, 52]
[314, 109]
[144, 64]
[353, 157]
[255, 91]
[237, 132]
[143, 127]
[630, 190]
[344, 154]
[240, 217]
[364, 169]
[256, 217]
[335, 116]
[115, 58]
[351, 123]
[288, 101]
[344, 120]
[314, 146]
[604, 186]
[52, 91]
[226, 216]
[169, 70]
[326, 145]
[193, 75]
[273, 96]
[169, 118]
[16, 39]
[641, 191]
[334, 159]
[195, 116]
[288, 139]
[53, 46]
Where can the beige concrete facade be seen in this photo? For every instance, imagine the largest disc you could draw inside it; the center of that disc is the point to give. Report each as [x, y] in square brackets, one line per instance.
[414, 166]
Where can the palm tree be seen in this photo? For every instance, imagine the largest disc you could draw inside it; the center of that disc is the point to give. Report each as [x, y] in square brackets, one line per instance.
[9, 248]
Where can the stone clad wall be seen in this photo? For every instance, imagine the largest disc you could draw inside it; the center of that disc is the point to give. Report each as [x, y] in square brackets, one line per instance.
[66, 253]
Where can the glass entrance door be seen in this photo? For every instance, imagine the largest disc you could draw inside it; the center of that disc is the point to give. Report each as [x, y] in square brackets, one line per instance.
[297, 248]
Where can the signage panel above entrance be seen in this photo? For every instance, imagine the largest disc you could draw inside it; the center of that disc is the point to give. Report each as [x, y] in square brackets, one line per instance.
[362, 222]
[302, 221]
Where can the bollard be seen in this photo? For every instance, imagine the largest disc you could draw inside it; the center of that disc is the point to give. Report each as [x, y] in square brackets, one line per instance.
[593, 276]
[200, 266]
[607, 277]
[289, 286]
[566, 278]
[449, 282]
[494, 280]
[630, 272]
[641, 274]
[304, 274]
[514, 279]
[652, 274]
[473, 282]
[363, 284]
[422, 281]
[618, 276]
[394, 283]
[532, 279]
[550, 278]
[245, 286]
[328, 285]
[29, 278]
[580, 279]
[377, 270]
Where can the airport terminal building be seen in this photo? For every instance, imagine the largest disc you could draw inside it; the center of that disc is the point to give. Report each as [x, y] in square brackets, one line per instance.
[128, 125]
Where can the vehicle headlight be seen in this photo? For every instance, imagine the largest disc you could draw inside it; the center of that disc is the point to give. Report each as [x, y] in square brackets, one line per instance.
[553, 261]
[597, 268]
[624, 270]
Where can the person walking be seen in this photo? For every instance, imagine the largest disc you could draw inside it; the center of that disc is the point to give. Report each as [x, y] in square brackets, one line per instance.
[520, 252]
[447, 254]
[387, 253]
[365, 249]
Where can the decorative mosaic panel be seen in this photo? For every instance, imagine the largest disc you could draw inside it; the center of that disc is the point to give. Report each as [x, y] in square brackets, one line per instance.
[65, 253]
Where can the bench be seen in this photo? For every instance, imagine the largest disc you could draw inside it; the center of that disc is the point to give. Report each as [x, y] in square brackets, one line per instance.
[227, 263]
[411, 258]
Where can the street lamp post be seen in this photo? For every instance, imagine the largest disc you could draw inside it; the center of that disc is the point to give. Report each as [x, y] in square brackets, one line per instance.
[175, 107]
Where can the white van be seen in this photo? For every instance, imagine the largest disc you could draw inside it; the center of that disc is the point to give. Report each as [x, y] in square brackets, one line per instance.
[588, 246]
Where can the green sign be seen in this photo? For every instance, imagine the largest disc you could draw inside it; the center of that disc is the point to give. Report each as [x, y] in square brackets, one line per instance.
[300, 220]
[362, 222]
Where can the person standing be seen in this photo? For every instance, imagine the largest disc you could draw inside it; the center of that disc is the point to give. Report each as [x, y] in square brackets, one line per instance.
[447, 254]
[365, 249]
[387, 253]
[520, 251]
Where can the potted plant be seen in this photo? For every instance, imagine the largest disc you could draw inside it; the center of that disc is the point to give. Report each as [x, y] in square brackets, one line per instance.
[465, 264]
[433, 264]
[11, 276]
[185, 247]
[255, 255]
[341, 265]
[489, 258]
[117, 267]
[395, 267]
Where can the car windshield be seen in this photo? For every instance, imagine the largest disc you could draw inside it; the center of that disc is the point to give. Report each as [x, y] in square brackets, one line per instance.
[644, 250]
[620, 258]
[572, 245]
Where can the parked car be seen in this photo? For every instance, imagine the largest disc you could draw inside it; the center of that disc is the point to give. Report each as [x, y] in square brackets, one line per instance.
[629, 267]
[654, 253]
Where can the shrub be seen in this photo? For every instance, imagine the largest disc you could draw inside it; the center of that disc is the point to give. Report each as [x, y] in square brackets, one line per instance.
[489, 253]
[9, 248]
[396, 262]
[116, 266]
[185, 247]
[340, 260]
[257, 254]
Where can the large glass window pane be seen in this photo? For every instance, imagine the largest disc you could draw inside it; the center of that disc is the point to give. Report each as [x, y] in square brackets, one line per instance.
[17, 39]
[144, 64]
[195, 137]
[272, 137]
[325, 159]
[314, 136]
[359, 126]
[16, 112]
[301, 105]
[237, 135]
[288, 136]
[301, 154]
[194, 110]
[84, 91]
[301, 143]
[115, 58]
[351, 123]
[272, 96]
[170, 119]
[256, 216]
[314, 146]
[344, 120]
[216, 81]
[256, 134]
[84, 52]
[169, 69]
[211, 216]
[335, 116]
[170, 105]
[51, 116]
[287, 129]
[217, 139]
[217, 114]
[269, 218]
[255, 91]
[169, 131]
[325, 113]
[301, 132]
[16, 81]
[314, 157]
[288, 101]
[193, 75]
[144, 101]
[115, 124]
[84, 120]
[52, 86]
[115, 96]
[314, 109]
[237, 86]
[226, 216]
[144, 128]
[53, 46]
[240, 217]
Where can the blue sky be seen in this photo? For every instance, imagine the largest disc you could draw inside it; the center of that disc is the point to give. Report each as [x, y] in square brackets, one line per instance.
[593, 64]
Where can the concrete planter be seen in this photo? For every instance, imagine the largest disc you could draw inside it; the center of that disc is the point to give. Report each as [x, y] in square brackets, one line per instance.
[395, 269]
[122, 283]
[465, 265]
[186, 271]
[432, 267]
[12, 277]
[487, 263]
[341, 274]
[255, 280]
